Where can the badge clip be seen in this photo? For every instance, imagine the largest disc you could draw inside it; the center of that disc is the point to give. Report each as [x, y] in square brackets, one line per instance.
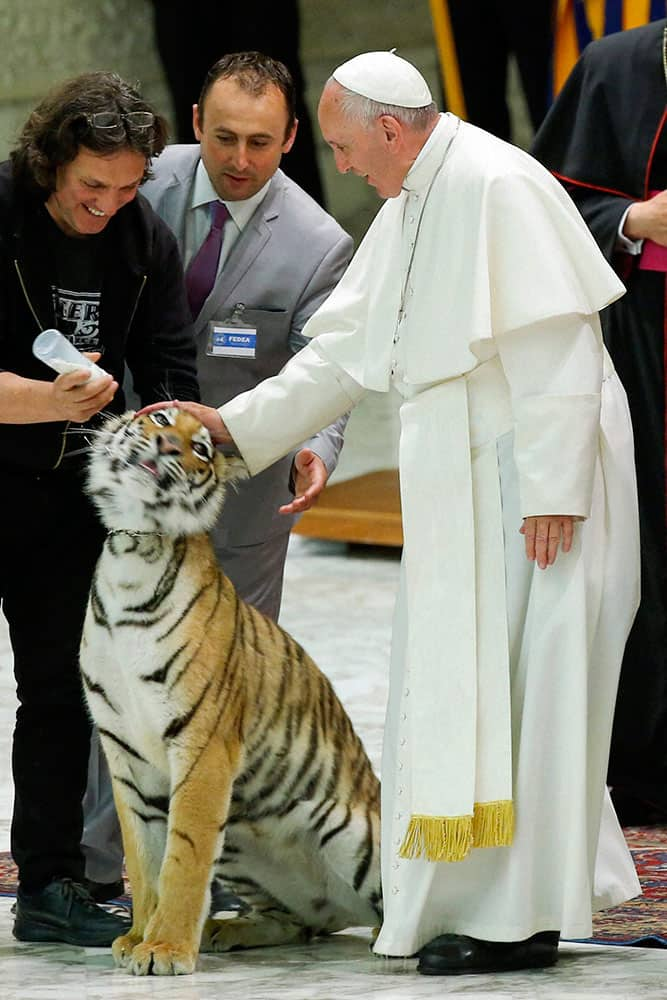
[236, 319]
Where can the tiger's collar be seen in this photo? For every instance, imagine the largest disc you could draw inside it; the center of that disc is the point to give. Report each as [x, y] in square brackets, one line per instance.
[135, 534]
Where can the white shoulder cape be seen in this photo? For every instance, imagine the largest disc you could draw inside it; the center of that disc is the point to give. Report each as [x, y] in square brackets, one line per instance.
[501, 246]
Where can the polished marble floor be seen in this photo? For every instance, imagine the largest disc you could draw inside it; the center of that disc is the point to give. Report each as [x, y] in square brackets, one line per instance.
[338, 603]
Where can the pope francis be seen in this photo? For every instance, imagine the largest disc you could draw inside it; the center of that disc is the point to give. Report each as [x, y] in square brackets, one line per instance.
[476, 293]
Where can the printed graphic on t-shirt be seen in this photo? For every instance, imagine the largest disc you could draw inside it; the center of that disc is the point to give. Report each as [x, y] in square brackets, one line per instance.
[78, 317]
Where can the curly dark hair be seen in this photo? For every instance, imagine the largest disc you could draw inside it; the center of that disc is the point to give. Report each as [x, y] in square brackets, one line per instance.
[59, 126]
[254, 72]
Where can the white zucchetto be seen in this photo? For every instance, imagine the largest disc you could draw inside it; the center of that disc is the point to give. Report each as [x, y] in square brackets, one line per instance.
[386, 78]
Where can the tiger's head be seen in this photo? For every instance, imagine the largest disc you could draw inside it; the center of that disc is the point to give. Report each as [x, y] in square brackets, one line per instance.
[158, 472]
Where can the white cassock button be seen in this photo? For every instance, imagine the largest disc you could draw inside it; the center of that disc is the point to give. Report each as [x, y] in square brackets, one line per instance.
[403, 741]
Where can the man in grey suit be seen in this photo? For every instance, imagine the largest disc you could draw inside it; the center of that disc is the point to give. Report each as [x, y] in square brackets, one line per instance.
[278, 256]
[281, 256]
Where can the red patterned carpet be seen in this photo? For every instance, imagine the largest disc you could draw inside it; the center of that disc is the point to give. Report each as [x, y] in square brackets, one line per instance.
[642, 921]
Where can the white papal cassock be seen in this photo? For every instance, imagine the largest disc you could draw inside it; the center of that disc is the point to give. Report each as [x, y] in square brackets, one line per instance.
[475, 293]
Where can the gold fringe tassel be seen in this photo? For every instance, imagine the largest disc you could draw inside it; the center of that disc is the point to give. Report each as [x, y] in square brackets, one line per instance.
[449, 838]
[493, 824]
[438, 838]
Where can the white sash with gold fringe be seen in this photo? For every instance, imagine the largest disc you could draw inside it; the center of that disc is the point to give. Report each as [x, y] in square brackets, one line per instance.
[457, 661]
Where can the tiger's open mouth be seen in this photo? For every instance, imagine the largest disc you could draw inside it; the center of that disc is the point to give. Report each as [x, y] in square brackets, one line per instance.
[150, 466]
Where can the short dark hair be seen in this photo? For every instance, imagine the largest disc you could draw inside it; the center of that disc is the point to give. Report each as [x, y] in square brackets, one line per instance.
[254, 72]
[58, 127]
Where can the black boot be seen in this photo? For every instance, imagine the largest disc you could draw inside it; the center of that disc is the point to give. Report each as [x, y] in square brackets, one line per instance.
[459, 955]
[65, 911]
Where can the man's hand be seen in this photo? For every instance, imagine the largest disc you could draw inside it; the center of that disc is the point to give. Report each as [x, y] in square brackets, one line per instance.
[206, 415]
[648, 220]
[78, 397]
[544, 534]
[310, 478]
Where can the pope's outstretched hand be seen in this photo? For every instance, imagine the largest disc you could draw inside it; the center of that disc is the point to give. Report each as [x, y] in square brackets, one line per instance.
[207, 415]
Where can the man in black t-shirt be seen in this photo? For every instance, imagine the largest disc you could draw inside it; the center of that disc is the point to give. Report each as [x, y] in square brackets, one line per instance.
[77, 286]
[81, 251]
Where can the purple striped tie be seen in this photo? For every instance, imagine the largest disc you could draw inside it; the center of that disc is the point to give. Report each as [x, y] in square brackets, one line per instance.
[203, 267]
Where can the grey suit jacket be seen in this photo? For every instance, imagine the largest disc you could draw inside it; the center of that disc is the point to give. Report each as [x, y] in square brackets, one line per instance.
[282, 267]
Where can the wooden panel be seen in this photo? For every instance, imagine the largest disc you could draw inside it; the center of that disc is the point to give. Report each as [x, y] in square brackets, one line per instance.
[366, 510]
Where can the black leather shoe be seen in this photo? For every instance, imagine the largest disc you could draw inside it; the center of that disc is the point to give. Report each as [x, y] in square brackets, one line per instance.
[102, 892]
[64, 911]
[459, 955]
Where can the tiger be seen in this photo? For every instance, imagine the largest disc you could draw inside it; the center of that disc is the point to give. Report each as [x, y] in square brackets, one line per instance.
[230, 754]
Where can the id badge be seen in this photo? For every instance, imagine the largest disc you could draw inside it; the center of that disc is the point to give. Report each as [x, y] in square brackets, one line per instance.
[231, 341]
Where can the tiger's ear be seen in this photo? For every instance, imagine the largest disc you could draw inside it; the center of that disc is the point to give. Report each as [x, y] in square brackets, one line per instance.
[230, 467]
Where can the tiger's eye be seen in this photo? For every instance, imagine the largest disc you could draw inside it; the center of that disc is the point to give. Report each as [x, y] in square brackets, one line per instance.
[160, 418]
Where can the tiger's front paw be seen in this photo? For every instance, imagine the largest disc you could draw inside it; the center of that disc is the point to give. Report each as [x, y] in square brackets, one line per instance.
[123, 946]
[251, 932]
[160, 958]
[216, 937]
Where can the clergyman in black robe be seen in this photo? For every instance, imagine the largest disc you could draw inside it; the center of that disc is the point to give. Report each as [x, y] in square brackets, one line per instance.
[605, 139]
